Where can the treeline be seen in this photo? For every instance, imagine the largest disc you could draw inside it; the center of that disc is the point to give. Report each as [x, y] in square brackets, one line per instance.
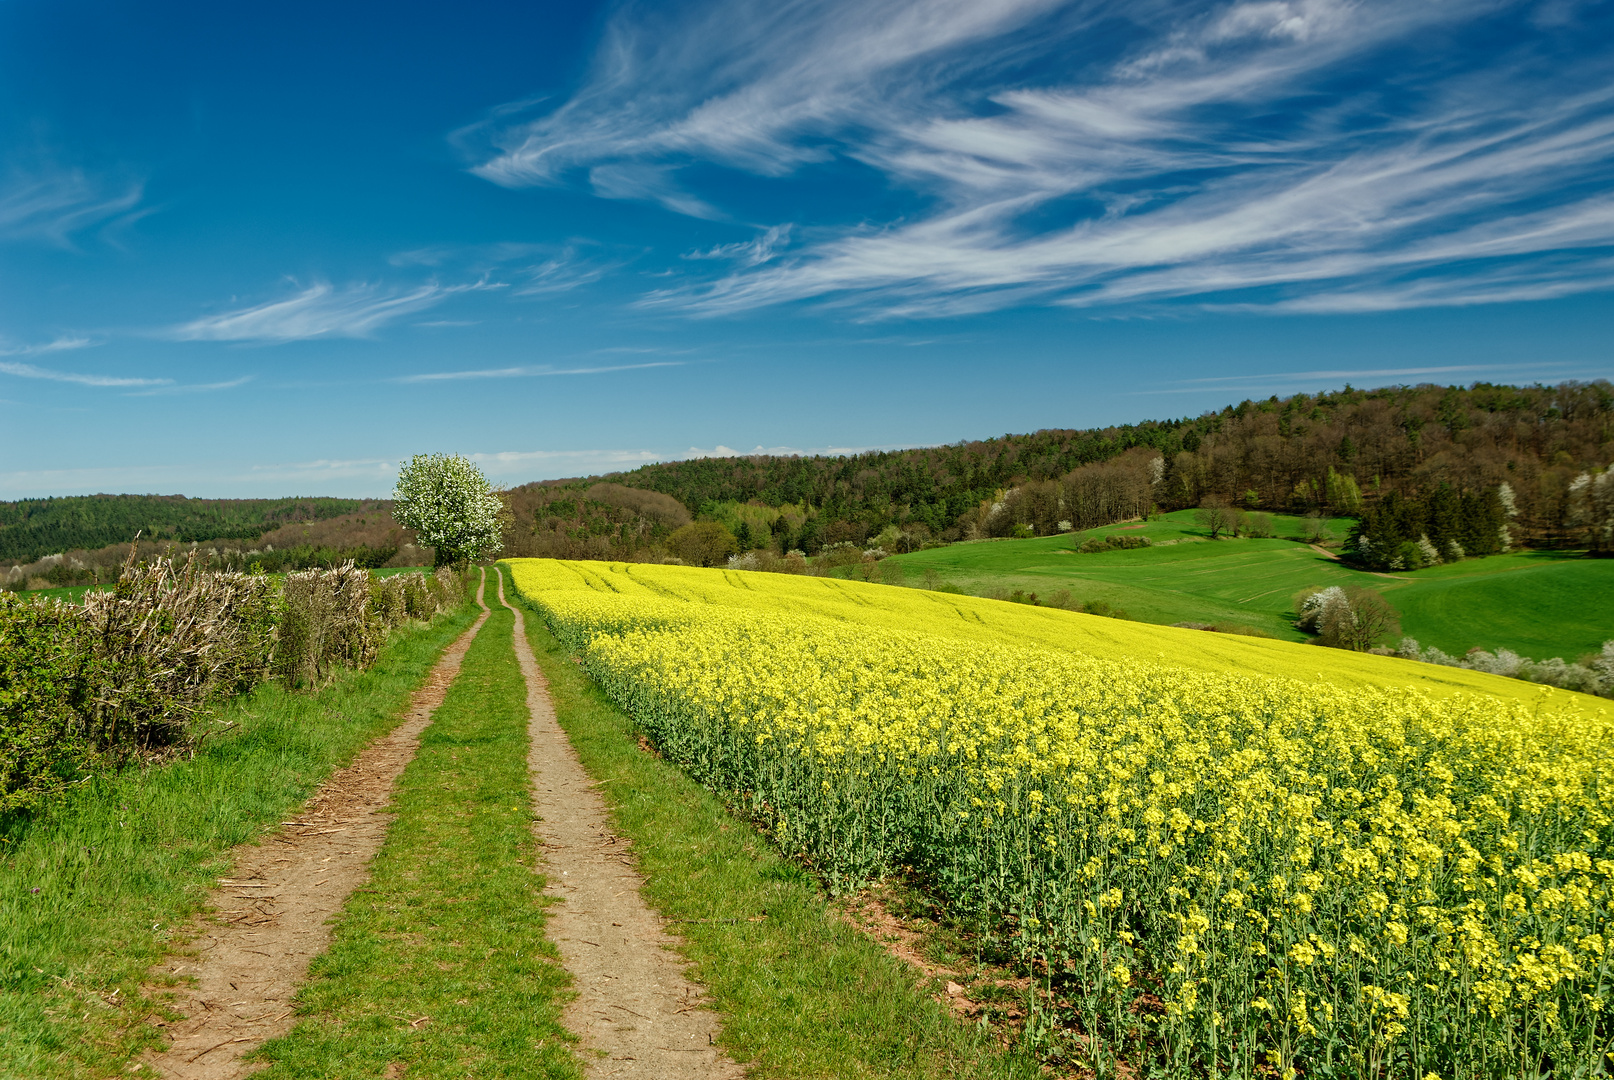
[1337, 453]
[32, 528]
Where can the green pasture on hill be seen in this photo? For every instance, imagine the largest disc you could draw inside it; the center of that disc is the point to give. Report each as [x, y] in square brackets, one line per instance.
[1537, 603]
[1540, 604]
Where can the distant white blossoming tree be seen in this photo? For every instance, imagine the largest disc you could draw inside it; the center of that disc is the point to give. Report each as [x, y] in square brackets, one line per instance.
[1591, 506]
[451, 506]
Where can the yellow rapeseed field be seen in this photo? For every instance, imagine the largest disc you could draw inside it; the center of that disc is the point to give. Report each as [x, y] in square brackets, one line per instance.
[1357, 870]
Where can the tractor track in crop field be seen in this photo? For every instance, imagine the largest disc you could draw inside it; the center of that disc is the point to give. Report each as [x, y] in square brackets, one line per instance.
[635, 1009]
[246, 960]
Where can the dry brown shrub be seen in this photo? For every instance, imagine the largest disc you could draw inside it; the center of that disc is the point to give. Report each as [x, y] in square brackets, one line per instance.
[165, 641]
[325, 623]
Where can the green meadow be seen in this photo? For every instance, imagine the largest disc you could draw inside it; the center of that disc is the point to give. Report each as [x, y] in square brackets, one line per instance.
[1539, 604]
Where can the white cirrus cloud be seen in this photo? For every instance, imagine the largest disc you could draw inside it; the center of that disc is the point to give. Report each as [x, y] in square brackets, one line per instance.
[318, 311]
[534, 269]
[32, 371]
[1288, 155]
[61, 343]
[51, 204]
[67, 343]
[749, 253]
[531, 372]
[195, 388]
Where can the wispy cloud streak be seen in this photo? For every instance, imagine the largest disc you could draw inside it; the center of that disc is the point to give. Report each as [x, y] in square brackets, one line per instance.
[52, 204]
[1291, 155]
[66, 343]
[531, 372]
[320, 310]
[534, 269]
[30, 371]
[195, 388]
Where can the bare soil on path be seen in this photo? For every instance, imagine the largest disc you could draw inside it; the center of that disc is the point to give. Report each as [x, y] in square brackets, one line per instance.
[272, 916]
[635, 1009]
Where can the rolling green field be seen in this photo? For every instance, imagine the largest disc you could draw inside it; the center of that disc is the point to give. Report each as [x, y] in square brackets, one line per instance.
[1540, 604]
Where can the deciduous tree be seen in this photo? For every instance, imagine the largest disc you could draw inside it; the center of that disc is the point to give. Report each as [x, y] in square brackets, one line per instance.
[451, 506]
[1216, 517]
[1352, 618]
[705, 543]
[1591, 506]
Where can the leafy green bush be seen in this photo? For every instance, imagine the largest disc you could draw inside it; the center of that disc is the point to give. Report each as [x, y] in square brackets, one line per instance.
[704, 543]
[44, 651]
[1118, 542]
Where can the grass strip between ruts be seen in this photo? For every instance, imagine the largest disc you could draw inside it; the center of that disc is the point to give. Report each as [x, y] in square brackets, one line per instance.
[439, 966]
[800, 993]
[91, 893]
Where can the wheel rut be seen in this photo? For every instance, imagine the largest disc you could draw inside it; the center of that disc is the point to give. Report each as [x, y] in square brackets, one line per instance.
[272, 915]
[635, 1009]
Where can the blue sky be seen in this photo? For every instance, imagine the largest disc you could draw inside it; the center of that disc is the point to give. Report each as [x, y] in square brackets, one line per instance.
[267, 250]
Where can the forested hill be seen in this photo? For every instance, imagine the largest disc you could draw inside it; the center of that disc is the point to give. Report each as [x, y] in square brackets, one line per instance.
[35, 527]
[933, 484]
[1275, 454]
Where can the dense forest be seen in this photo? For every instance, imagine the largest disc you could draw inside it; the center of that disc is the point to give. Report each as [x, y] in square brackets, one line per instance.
[32, 528]
[1334, 453]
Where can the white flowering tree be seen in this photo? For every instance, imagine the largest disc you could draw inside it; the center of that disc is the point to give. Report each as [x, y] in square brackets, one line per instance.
[450, 505]
[1352, 619]
[1591, 506]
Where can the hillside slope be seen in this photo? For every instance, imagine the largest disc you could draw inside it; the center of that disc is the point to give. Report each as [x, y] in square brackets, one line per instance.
[1284, 454]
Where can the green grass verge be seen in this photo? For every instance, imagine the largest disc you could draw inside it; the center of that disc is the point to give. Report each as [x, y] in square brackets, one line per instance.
[91, 893]
[450, 926]
[1541, 604]
[801, 993]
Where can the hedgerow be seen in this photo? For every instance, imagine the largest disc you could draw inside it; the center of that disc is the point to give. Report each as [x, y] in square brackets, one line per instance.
[86, 688]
